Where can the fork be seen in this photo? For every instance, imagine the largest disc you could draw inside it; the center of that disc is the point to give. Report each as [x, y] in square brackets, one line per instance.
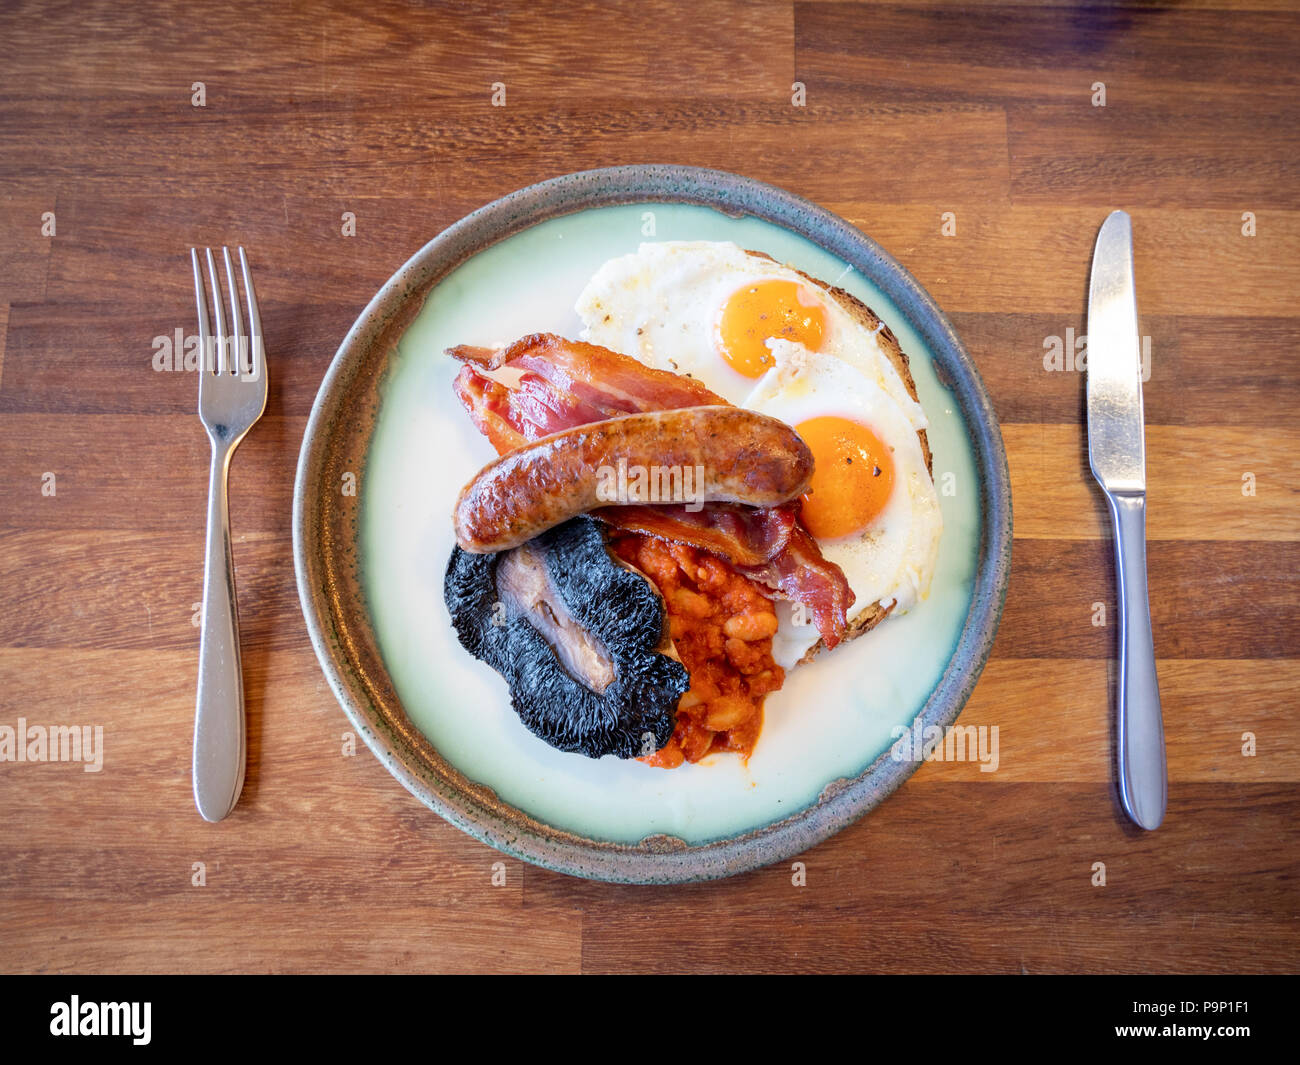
[232, 396]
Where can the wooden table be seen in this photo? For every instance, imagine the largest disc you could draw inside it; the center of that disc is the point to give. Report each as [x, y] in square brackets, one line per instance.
[111, 172]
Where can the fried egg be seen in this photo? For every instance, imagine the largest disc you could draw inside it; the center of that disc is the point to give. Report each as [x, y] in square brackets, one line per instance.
[711, 310]
[763, 336]
[872, 505]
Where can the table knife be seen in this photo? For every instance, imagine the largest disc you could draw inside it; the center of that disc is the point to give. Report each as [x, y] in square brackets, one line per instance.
[1117, 455]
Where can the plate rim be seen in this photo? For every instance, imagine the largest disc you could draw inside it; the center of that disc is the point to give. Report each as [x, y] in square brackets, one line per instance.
[841, 802]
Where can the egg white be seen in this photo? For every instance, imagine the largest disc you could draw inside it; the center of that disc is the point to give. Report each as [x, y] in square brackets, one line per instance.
[892, 560]
[661, 305]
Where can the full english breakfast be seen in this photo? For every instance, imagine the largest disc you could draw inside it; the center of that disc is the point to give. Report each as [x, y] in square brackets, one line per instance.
[726, 475]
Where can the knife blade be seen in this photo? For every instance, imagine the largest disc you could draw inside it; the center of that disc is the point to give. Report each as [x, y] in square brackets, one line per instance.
[1117, 455]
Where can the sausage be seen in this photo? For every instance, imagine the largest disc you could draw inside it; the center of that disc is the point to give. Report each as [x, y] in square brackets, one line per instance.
[706, 454]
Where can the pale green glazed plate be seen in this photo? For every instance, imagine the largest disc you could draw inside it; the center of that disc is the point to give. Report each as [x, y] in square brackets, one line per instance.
[370, 565]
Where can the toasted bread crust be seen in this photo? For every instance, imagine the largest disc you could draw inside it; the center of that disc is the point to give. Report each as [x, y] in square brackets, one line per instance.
[868, 319]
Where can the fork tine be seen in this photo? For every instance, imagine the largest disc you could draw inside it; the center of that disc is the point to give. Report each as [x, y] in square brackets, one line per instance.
[221, 361]
[257, 356]
[236, 322]
[205, 339]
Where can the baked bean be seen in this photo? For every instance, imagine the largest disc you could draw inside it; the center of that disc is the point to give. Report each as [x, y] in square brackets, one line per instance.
[728, 711]
[722, 625]
[692, 604]
[751, 626]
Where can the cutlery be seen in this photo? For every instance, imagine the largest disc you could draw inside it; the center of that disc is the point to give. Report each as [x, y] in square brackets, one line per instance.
[1117, 455]
[232, 396]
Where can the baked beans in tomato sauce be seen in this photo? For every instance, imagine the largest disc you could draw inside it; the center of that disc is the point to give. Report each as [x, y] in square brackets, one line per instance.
[722, 625]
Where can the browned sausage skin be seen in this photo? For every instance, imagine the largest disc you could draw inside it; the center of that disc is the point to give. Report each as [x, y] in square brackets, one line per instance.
[720, 454]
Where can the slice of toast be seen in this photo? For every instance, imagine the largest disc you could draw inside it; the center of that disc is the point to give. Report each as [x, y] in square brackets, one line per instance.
[869, 618]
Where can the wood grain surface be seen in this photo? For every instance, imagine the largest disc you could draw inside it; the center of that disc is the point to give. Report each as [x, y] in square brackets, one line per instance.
[385, 110]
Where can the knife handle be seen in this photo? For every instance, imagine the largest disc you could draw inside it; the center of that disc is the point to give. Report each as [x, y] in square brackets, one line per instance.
[1140, 731]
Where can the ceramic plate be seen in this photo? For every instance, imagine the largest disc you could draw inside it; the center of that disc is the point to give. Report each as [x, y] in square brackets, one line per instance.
[388, 447]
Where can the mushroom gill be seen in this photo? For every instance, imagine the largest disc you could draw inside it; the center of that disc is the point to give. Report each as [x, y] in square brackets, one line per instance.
[578, 637]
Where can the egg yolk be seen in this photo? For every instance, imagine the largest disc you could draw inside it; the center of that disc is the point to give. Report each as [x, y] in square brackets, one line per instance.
[765, 309]
[852, 479]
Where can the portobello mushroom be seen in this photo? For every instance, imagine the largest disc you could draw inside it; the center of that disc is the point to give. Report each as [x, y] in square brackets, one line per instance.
[579, 637]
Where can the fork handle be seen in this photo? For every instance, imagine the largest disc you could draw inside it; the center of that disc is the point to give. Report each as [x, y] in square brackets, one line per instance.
[1140, 737]
[219, 737]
